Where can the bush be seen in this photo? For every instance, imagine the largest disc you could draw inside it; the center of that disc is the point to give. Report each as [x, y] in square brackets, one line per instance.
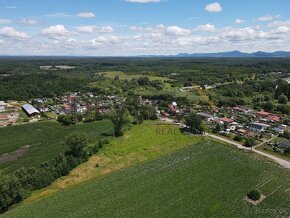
[250, 142]
[65, 120]
[238, 138]
[254, 195]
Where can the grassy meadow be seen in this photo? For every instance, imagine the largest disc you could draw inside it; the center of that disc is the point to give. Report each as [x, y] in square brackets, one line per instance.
[139, 144]
[124, 76]
[45, 140]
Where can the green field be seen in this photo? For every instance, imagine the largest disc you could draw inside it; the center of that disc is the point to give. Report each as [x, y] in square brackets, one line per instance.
[45, 141]
[124, 76]
[207, 179]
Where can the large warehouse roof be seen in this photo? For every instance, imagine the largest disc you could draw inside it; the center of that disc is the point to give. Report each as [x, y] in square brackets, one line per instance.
[30, 109]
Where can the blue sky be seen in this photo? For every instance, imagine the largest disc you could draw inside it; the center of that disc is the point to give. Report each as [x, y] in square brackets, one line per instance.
[135, 27]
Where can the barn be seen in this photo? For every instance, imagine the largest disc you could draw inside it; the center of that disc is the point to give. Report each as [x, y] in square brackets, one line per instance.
[30, 110]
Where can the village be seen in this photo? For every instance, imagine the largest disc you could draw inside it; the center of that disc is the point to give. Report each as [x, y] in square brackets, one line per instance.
[235, 123]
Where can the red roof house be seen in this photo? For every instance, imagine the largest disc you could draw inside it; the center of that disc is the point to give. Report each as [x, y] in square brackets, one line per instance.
[3, 116]
[263, 113]
[226, 120]
[273, 118]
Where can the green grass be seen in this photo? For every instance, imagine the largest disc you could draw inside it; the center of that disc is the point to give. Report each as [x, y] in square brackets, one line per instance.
[205, 180]
[277, 154]
[124, 76]
[141, 143]
[45, 140]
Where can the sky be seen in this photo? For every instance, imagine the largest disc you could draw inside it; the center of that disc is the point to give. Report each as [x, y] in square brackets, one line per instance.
[142, 27]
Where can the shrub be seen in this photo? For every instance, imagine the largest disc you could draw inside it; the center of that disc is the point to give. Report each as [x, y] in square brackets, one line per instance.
[254, 195]
[250, 142]
[65, 120]
[238, 138]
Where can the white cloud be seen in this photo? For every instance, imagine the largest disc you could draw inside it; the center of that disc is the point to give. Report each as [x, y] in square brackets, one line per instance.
[94, 29]
[11, 7]
[176, 30]
[102, 40]
[214, 7]
[243, 34]
[268, 17]
[5, 21]
[239, 21]
[29, 22]
[55, 31]
[206, 28]
[281, 30]
[279, 23]
[10, 32]
[86, 15]
[158, 39]
[143, 1]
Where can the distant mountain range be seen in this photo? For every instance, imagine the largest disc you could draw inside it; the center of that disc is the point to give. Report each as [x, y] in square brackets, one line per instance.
[238, 54]
[230, 54]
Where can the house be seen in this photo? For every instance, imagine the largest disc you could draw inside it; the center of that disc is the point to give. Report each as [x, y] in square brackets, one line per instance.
[2, 108]
[30, 110]
[258, 127]
[225, 120]
[206, 116]
[173, 107]
[285, 145]
[67, 107]
[3, 116]
[242, 109]
[273, 119]
[280, 129]
[81, 109]
[263, 113]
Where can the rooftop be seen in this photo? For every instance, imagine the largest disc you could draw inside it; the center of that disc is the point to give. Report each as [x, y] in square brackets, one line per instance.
[30, 109]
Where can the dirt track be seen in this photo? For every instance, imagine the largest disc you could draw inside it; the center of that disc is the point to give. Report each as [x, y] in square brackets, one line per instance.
[4, 158]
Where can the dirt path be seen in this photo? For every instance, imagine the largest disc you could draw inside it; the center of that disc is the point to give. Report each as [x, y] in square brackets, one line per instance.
[4, 158]
[280, 161]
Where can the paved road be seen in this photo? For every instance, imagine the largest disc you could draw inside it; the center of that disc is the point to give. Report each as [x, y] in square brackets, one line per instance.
[280, 161]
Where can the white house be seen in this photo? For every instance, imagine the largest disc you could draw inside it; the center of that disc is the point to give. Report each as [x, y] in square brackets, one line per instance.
[258, 127]
[2, 108]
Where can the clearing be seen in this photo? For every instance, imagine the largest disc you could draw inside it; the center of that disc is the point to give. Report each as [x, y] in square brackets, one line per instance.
[124, 76]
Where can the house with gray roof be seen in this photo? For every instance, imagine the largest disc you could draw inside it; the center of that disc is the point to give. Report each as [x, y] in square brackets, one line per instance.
[30, 110]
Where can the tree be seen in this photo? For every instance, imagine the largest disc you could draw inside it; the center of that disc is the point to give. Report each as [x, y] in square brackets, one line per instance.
[238, 138]
[76, 144]
[283, 99]
[250, 142]
[254, 195]
[283, 108]
[217, 128]
[65, 120]
[119, 118]
[195, 123]
[269, 106]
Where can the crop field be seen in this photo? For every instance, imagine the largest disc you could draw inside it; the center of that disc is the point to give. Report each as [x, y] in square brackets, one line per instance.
[207, 179]
[140, 144]
[43, 139]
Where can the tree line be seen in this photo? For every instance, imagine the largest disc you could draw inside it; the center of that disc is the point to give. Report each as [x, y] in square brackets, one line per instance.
[17, 186]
